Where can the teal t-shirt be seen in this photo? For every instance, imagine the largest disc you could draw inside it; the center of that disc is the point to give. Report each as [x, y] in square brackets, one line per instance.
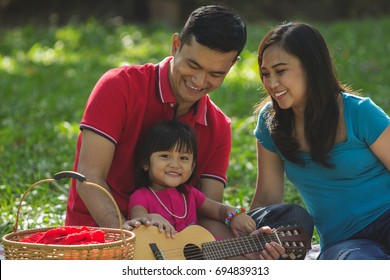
[344, 199]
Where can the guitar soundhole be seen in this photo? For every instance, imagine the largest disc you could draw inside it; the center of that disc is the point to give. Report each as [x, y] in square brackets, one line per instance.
[192, 252]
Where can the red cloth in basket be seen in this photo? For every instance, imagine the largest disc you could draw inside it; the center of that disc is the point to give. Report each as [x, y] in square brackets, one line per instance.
[67, 235]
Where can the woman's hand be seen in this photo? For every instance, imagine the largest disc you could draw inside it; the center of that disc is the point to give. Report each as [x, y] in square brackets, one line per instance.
[272, 250]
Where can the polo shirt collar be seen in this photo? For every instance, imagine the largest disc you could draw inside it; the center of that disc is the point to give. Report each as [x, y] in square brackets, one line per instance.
[165, 93]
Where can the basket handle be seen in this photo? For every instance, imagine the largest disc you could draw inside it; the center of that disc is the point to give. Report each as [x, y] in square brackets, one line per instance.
[70, 175]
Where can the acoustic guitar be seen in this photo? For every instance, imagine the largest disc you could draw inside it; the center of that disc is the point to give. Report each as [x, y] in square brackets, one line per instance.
[197, 243]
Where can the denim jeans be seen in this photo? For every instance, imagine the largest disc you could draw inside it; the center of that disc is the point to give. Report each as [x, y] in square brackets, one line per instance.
[371, 243]
[278, 215]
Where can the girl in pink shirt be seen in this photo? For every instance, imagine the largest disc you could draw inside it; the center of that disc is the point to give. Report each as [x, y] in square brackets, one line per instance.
[166, 163]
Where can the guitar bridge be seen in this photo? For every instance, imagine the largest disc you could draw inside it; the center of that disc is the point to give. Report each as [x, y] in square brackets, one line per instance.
[156, 251]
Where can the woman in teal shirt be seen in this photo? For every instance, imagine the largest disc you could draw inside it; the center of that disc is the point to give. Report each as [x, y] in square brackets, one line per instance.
[332, 144]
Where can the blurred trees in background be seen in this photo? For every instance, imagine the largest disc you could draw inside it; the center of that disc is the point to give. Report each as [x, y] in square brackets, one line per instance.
[174, 12]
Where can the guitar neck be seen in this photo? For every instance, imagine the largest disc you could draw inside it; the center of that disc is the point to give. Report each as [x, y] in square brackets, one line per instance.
[227, 248]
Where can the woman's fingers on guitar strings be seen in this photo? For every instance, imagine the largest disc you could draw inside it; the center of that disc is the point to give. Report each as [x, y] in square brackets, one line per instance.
[273, 250]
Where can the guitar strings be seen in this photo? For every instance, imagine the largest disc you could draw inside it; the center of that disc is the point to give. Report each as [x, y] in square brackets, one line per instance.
[222, 252]
[215, 250]
[244, 245]
[206, 252]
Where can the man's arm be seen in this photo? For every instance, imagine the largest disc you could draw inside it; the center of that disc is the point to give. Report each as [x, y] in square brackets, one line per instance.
[95, 159]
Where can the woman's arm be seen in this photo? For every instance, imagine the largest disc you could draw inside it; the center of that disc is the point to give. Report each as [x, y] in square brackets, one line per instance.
[270, 179]
[381, 147]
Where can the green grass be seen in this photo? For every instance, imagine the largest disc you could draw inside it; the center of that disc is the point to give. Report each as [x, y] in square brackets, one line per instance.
[47, 73]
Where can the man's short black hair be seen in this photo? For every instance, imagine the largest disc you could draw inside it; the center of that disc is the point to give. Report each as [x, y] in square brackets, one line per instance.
[216, 27]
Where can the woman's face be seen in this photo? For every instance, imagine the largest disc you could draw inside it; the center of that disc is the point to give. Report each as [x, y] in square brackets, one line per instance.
[284, 78]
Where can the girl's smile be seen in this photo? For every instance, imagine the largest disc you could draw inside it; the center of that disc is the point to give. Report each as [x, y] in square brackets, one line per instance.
[169, 169]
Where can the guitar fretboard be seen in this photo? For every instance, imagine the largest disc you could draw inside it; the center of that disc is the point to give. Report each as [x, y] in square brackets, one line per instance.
[227, 248]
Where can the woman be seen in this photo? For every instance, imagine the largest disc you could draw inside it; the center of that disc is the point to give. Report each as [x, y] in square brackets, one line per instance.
[332, 144]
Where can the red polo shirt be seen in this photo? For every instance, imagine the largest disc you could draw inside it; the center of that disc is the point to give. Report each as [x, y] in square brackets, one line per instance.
[125, 102]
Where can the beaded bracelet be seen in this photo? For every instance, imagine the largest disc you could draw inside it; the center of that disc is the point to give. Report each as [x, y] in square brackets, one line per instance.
[231, 215]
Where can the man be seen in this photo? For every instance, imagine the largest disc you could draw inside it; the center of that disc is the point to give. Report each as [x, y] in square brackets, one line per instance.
[126, 101]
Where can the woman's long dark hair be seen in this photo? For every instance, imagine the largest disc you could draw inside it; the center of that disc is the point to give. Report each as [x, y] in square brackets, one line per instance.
[323, 88]
[164, 136]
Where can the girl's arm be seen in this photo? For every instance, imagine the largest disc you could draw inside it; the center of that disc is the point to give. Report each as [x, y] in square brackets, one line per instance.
[213, 189]
[381, 147]
[138, 212]
[241, 222]
[270, 179]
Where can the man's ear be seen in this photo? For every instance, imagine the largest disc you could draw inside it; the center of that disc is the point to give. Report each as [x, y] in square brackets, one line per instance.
[145, 167]
[175, 43]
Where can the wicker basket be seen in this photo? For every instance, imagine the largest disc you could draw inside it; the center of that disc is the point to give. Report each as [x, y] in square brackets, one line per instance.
[121, 248]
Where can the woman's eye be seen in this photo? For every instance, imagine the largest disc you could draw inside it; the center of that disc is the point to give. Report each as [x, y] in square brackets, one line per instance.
[265, 75]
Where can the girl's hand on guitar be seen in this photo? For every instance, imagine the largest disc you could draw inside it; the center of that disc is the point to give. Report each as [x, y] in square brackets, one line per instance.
[242, 223]
[135, 223]
[162, 224]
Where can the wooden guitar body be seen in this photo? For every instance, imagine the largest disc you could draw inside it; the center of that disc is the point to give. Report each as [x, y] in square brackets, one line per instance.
[171, 248]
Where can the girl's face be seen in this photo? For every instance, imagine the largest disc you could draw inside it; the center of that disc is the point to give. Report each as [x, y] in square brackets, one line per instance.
[169, 169]
[284, 78]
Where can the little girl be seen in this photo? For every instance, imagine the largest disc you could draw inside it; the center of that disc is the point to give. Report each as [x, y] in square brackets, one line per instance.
[166, 163]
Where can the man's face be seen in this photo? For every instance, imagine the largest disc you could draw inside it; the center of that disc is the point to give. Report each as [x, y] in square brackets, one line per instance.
[197, 70]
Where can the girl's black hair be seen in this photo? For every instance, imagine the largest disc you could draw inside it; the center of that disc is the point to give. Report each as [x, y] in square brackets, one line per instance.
[164, 136]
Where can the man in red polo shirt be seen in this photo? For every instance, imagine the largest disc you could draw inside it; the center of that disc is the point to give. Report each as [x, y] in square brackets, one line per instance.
[126, 101]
